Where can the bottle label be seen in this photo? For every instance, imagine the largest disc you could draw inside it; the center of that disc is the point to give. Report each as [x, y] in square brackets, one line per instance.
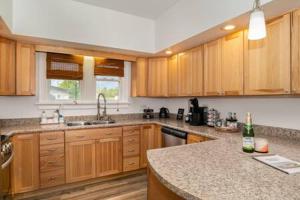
[248, 143]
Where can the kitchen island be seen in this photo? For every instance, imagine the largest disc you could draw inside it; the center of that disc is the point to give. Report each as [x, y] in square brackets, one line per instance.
[219, 169]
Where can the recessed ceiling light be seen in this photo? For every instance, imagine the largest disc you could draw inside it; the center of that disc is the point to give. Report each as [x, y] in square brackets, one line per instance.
[169, 52]
[229, 27]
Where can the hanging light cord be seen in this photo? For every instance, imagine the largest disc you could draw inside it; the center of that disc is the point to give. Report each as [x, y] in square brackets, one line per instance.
[256, 5]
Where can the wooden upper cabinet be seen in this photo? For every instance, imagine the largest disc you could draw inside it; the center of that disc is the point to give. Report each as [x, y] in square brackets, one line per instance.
[296, 53]
[233, 64]
[184, 74]
[267, 61]
[139, 76]
[80, 161]
[212, 68]
[197, 71]
[7, 67]
[25, 165]
[158, 77]
[109, 158]
[25, 69]
[173, 75]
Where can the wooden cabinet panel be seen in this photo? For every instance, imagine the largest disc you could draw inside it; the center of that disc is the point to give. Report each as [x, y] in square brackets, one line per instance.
[184, 74]
[173, 76]
[212, 68]
[192, 138]
[233, 64]
[158, 77]
[267, 61]
[157, 137]
[52, 163]
[25, 69]
[131, 150]
[7, 67]
[25, 165]
[296, 53]
[80, 161]
[147, 142]
[139, 76]
[54, 149]
[52, 178]
[197, 71]
[131, 140]
[109, 156]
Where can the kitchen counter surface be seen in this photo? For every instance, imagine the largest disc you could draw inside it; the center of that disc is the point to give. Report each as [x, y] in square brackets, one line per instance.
[216, 169]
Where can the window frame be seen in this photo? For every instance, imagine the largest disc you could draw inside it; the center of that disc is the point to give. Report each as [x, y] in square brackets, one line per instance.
[87, 98]
[61, 100]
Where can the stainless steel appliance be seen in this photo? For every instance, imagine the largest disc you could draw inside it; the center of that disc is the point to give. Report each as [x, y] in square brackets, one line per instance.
[173, 137]
[6, 156]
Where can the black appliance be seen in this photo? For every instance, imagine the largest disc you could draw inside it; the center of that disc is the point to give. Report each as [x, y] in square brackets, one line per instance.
[148, 113]
[164, 113]
[197, 115]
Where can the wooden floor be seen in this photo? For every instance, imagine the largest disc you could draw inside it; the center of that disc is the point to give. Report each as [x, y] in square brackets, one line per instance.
[129, 187]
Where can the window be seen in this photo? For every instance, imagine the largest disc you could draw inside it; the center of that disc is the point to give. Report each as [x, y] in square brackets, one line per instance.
[61, 90]
[109, 86]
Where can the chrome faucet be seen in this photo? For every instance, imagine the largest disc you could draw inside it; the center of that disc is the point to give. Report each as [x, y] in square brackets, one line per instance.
[99, 117]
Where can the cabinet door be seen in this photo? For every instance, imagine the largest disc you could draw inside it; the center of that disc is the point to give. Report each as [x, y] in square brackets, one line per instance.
[296, 52]
[80, 161]
[212, 68]
[184, 74]
[267, 61]
[173, 75]
[109, 156]
[158, 77]
[25, 67]
[233, 64]
[25, 165]
[197, 71]
[139, 76]
[7, 67]
[147, 142]
[157, 137]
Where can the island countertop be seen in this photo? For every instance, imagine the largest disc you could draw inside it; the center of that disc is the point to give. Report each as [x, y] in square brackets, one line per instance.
[219, 169]
[215, 169]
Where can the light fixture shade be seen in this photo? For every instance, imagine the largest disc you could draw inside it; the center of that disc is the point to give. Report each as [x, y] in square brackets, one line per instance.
[257, 25]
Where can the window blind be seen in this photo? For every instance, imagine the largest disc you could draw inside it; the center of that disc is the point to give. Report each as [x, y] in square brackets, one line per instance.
[64, 66]
[109, 67]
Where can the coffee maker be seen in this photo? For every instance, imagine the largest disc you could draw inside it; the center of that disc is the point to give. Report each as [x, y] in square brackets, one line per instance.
[197, 115]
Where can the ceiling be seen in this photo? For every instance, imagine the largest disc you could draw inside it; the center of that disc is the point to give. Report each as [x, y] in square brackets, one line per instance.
[150, 9]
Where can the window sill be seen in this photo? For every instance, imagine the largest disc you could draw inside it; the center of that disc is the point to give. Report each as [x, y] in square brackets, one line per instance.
[79, 105]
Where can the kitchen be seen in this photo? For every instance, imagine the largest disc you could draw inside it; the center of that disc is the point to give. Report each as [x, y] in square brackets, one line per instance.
[149, 100]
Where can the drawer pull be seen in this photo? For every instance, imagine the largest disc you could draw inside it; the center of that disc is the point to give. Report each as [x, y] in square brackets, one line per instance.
[131, 151]
[131, 163]
[108, 133]
[51, 162]
[131, 140]
[51, 150]
[54, 138]
[80, 136]
[52, 179]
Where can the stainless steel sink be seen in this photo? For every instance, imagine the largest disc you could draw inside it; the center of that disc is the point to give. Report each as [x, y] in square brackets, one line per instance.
[78, 123]
[96, 122]
[88, 123]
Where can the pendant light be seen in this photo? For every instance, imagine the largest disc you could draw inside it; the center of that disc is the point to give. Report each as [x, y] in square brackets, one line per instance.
[257, 24]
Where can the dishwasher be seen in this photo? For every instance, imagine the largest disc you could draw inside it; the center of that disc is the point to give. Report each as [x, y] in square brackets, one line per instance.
[173, 137]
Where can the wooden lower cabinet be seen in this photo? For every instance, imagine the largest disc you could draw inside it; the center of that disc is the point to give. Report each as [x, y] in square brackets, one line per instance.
[25, 165]
[109, 157]
[131, 148]
[150, 139]
[80, 161]
[192, 138]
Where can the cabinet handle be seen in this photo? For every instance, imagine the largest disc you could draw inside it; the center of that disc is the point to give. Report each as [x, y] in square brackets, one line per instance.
[108, 133]
[81, 136]
[131, 140]
[131, 163]
[55, 138]
[131, 151]
[52, 179]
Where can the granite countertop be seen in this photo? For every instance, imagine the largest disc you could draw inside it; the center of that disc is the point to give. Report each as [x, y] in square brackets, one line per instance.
[216, 169]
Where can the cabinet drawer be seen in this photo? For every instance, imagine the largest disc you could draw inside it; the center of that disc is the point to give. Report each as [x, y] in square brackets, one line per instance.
[52, 138]
[52, 178]
[51, 150]
[130, 164]
[131, 130]
[131, 150]
[109, 132]
[81, 135]
[131, 140]
[48, 163]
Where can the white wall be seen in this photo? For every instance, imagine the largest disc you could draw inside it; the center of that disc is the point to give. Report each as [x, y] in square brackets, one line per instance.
[270, 111]
[189, 18]
[6, 12]
[73, 21]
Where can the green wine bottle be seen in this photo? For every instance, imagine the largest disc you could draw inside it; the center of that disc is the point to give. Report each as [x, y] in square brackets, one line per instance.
[248, 135]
